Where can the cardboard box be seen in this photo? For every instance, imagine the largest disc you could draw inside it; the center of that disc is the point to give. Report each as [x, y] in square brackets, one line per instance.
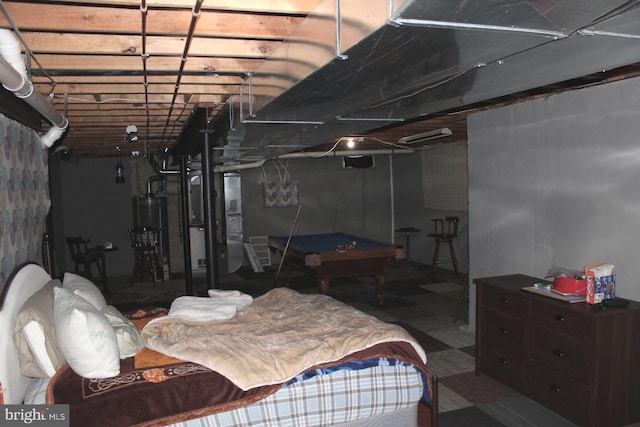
[601, 284]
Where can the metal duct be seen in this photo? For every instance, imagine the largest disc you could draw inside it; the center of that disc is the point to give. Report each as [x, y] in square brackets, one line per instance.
[343, 71]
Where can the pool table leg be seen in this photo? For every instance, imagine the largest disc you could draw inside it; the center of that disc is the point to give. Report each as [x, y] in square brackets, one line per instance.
[380, 279]
[323, 285]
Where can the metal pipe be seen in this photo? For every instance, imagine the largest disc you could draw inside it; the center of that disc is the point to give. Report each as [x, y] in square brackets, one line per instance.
[392, 201]
[467, 26]
[208, 202]
[195, 14]
[144, 55]
[186, 236]
[14, 78]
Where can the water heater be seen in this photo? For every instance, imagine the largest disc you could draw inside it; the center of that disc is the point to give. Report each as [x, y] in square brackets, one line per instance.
[152, 211]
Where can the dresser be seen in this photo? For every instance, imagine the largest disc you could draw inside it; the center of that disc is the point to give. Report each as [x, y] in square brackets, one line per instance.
[577, 360]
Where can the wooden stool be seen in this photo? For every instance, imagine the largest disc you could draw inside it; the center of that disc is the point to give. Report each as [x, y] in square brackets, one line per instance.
[445, 230]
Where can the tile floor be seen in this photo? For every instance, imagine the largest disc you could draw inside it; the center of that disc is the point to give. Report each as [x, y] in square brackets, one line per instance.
[425, 307]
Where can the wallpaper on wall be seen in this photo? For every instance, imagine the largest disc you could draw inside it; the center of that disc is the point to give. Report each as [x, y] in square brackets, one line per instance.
[24, 196]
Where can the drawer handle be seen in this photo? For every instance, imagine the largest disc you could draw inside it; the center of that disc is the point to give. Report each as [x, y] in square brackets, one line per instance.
[504, 331]
[559, 317]
[559, 353]
[502, 361]
[504, 300]
[555, 388]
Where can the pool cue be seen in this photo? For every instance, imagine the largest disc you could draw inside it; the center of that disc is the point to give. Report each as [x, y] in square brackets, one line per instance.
[286, 247]
[335, 218]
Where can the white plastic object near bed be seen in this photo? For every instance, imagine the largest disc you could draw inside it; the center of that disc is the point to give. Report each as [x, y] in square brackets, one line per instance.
[23, 283]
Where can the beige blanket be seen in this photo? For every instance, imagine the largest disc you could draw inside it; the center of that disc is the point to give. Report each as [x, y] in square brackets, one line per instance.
[279, 335]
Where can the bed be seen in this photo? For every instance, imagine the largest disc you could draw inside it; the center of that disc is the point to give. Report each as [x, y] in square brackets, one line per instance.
[380, 382]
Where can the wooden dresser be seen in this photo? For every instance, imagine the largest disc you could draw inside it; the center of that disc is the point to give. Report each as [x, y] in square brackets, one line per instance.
[580, 362]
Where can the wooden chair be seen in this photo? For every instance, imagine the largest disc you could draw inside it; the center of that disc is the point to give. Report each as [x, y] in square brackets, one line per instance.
[144, 241]
[85, 256]
[445, 230]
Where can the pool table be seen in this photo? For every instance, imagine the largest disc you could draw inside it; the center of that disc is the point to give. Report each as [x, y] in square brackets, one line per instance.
[336, 255]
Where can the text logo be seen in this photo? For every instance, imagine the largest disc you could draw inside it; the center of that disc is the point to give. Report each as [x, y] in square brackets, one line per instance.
[35, 415]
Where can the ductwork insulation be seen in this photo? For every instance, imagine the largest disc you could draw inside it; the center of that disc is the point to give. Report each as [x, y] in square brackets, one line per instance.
[13, 76]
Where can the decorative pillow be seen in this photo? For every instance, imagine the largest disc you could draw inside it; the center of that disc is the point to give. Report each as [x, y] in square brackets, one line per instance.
[128, 336]
[85, 288]
[34, 334]
[85, 336]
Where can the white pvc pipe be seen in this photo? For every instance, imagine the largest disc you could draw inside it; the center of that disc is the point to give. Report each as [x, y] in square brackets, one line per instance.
[13, 76]
[239, 166]
[312, 155]
[346, 153]
[53, 134]
[11, 52]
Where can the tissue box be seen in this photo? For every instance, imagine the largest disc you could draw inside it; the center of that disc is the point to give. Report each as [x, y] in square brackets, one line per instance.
[601, 283]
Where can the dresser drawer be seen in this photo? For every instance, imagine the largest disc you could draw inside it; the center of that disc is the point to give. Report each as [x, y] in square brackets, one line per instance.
[560, 393]
[506, 302]
[562, 353]
[502, 365]
[563, 320]
[499, 330]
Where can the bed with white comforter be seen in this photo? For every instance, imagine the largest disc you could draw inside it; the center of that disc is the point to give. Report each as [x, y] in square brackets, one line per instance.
[283, 358]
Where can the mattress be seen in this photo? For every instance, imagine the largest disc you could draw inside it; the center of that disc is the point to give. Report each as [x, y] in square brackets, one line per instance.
[320, 398]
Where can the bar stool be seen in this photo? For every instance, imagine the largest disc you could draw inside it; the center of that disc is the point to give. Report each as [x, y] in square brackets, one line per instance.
[445, 230]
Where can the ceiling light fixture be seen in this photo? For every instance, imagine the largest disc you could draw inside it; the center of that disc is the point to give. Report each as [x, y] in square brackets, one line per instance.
[132, 133]
[425, 136]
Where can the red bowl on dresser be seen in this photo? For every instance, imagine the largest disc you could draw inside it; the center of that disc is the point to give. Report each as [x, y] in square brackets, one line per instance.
[569, 285]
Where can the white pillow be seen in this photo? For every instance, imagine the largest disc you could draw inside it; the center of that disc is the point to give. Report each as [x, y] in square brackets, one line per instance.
[85, 336]
[128, 336]
[85, 288]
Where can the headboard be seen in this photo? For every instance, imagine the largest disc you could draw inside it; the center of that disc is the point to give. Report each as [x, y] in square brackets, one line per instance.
[23, 282]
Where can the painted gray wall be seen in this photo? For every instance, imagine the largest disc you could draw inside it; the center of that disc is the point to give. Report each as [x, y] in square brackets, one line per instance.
[556, 182]
[355, 201]
[362, 198]
[87, 202]
[410, 212]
